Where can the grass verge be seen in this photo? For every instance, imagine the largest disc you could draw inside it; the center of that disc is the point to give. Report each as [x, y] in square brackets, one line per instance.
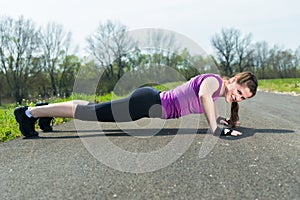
[289, 85]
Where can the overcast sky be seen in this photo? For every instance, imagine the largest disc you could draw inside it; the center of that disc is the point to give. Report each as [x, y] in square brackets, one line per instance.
[273, 21]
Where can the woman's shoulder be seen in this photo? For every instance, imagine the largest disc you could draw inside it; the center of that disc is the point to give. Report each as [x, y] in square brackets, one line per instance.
[210, 84]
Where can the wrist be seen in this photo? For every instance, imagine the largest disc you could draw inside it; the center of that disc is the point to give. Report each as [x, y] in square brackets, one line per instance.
[218, 131]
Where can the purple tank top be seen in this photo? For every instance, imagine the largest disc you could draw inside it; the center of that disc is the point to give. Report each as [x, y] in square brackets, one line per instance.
[184, 99]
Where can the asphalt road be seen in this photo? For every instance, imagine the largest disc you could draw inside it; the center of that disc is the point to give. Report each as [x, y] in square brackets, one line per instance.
[156, 159]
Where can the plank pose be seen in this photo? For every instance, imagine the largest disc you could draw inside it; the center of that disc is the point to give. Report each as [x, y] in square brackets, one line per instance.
[198, 95]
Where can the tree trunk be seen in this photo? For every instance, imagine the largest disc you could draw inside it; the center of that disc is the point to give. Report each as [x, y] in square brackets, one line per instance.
[120, 68]
[53, 86]
[1, 93]
[18, 96]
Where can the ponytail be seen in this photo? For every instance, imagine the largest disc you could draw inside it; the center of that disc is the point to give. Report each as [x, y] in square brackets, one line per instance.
[234, 115]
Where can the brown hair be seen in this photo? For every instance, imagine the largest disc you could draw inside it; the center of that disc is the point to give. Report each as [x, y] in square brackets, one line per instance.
[249, 80]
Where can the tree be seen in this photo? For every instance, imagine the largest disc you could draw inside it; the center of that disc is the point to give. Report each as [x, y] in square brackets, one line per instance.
[55, 45]
[19, 47]
[297, 61]
[1, 89]
[109, 44]
[233, 52]
[244, 52]
[261, 56]
[161, 46]
[224, 44]
[69, 68]
[189, 65]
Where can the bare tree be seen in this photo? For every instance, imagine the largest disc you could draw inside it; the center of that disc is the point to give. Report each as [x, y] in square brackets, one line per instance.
[1, 89]
[55, 45]
[225, 45]
[244, 52]
[234, 52]
[161, 45]
[297, 61]
[19, 47]
[261, 57]
[109, 44]
[282, 62]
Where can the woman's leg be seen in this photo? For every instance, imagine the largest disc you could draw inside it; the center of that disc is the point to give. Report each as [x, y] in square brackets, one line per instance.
[64, 109]
[143, 102]
[138, 105]
[27, 122]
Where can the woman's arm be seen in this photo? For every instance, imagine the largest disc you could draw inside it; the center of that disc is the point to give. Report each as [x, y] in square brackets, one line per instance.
[208, 87]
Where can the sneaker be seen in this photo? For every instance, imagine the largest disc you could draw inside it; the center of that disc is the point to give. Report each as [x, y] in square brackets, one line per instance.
[45, 122]
[26, 124]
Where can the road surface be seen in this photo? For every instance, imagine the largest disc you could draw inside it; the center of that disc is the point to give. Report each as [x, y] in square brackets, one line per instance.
[184, 162]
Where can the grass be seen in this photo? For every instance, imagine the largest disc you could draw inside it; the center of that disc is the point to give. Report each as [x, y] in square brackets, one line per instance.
[289, 85]
[9, 128]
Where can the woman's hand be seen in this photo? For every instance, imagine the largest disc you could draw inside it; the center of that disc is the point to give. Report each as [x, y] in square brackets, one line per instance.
[231, 132]
[226, 132]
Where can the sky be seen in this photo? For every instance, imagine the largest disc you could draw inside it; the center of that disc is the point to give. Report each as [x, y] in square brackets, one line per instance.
[275, 21]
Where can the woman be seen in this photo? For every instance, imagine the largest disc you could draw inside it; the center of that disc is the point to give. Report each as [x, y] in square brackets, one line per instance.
[195, 96]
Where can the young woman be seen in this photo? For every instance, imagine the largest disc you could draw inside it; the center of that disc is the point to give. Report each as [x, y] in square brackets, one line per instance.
[195, 96]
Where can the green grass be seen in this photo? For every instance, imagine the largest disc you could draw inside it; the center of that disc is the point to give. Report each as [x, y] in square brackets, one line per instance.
[8, 126]
[280, 85]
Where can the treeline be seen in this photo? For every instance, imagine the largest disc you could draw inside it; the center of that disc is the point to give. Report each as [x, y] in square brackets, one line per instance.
[41, 62]
[237, 53]
[35, 61]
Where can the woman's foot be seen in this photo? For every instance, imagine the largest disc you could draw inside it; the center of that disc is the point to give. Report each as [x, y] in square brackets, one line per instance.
[45, 122]
[26, 124]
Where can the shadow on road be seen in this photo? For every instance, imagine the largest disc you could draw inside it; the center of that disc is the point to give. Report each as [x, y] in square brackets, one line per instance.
[247, 132]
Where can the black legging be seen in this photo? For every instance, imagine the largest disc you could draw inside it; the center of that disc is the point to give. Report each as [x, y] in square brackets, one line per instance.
[143, 102]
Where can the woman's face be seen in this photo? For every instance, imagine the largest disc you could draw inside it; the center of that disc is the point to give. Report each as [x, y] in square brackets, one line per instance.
[235, 92]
